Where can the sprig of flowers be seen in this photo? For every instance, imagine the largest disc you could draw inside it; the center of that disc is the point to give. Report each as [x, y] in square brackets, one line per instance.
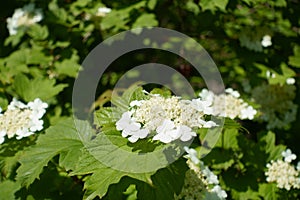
[165, 118]
[23, 17]
[229, 104]
[22, 120]
[283, 173]
[172, 118]
[199, 179]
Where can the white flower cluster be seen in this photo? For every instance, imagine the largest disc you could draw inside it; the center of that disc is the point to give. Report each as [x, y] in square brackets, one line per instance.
[168, 119]
[23, 17]
[266, 41]
[283, 173]
[276, 104]
[228, 104]
[22, 120]
[103, 11]
[199, 180]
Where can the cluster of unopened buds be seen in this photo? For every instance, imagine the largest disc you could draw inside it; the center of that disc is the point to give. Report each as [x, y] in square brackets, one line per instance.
[283, 173]
[21, 120]
[167, 119]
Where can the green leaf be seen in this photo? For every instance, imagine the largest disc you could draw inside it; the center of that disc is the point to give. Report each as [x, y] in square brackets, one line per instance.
[220, 158]
[18, 58]
[213, 5]
[60, 14]
[8, 189]
[268, 141]
[37, 57]
[152, 4]
[102, 176]
[268, 191]
[295, 59]
[36, 88]
[246, 195]
[163, 92]
[229, 139]
[63, 139]
[107, 116]
[134, 92]
[145, 20]
[192, 7]
[118, 19]
[166, 182]
[117, 152]
[14, 39]
[38, 32]
[69, 67]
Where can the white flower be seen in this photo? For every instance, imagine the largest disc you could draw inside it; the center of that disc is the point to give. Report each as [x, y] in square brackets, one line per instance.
[218, 190]
[288, 156]
[22, 120]
[167, 132]
[2, 135]
[248, 113]
[290, 81]
[210, 176]
[234, 93]
[36, 125]
[38, 107]
[126, 123]
[138, 134]
[298, 166]
[270, 74]
[23, 17]
[206, 95]
[185, 133]
[283, 174]
[23, 132]
[202, 106]
[266, 41]
[207, 124]
[228, 105]
[16, 104]
[192, 154]
[136, 103]
[131, 128]
[103, 11]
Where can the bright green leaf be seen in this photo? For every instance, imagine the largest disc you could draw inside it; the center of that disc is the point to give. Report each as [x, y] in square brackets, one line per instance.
[268, 191]
[38, 32]
[36, 88]
[145, 20]
[295, 59]
[63, 139]
[8, 189]
[102, 176]
[213, 5]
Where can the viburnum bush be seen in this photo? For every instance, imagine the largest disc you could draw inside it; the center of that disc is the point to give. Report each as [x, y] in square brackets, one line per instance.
[143, 140]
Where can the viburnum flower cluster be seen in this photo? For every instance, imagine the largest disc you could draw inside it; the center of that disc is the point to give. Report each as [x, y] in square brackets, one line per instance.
[22, 120]
[229, 104]
[199, 179]
[283, 173]
[23, 17]
[171, 118]
[168, 119]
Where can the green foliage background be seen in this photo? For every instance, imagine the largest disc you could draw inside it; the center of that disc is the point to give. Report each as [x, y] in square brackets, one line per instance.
[44, 60]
